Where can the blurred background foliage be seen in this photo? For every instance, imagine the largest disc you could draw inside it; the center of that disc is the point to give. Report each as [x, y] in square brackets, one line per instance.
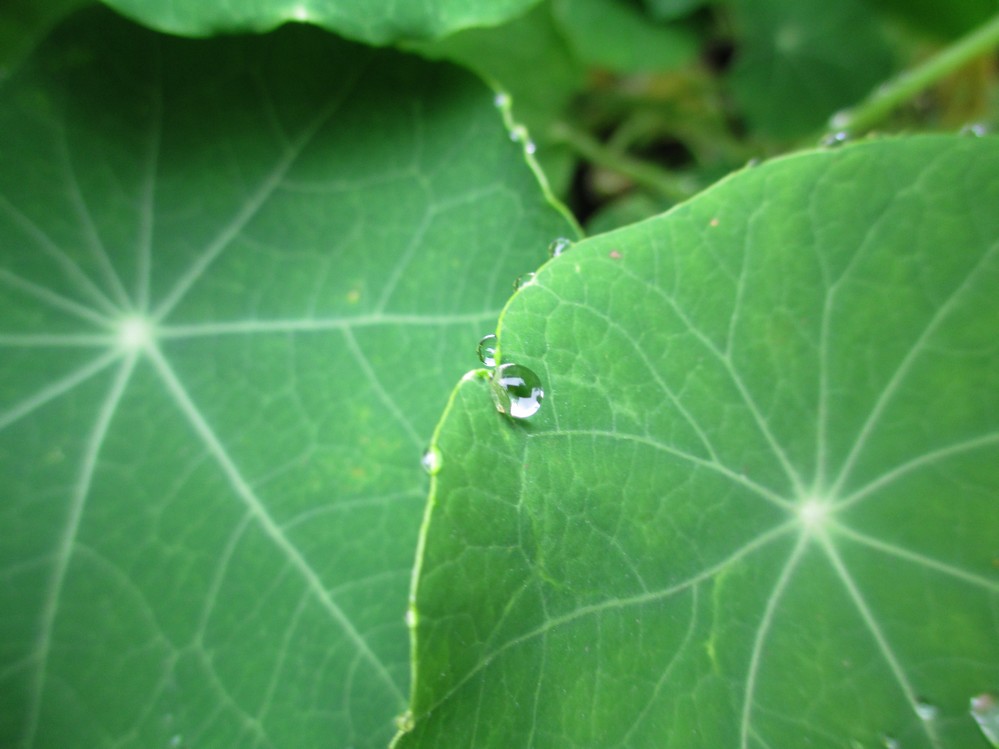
[635, 105]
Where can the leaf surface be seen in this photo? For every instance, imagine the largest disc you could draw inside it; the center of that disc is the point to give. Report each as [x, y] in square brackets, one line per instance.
[758, 505]
[236, 281]
[373, 21]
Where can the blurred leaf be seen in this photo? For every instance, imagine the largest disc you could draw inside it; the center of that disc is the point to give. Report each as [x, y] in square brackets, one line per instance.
[942, 19]
[237, 278]
[23, 24]
[374, 21]
[758, 505]
[797, 63]
[615, 36]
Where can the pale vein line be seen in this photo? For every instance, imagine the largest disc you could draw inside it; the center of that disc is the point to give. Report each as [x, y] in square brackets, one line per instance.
[53, 299]
[55, 340]
[67, 539]
[747, 399]
[403, 260]
[879, 638]
[263, 518]
[94, 241]
[620, 603]
[903, 370]
[376, 385]
[719, 468]
[147, 194]
[688, 636]
[916, 463]
[250, 209]
[68, 266]
[249, 327]
[640, 351]
[55, 389]
[821, 438]
[917, 558]
[761, 635]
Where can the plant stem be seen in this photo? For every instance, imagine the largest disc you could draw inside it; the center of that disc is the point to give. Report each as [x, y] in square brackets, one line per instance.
[649, 176]
[906, 85]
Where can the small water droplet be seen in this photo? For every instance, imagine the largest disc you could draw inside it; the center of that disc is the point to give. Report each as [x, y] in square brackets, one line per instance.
[890, 742]
[518, 133]
[431, 461]
[487, 350]
[753, 162]
[404, 722]
[410, 618]
[985, 711]
[525, 280]
[839, 121]
[517, 391]
[926, 710]
[835, 139]
[975, 129]
[531, 147]
[502, 99]
[558, 246]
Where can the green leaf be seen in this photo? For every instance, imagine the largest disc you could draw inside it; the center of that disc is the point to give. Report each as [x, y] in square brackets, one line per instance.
[614, 35]
[758, 505]
[374, 21]
[941, 19]
[237, 279]
[799, 62]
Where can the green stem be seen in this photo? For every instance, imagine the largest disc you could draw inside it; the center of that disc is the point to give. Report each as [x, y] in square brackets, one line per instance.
[905, 86]
[649, 176]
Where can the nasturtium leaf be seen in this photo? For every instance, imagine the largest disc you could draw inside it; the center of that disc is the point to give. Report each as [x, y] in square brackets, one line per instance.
[797, 63]
[237, 280]
[758, 507]
[374, 21]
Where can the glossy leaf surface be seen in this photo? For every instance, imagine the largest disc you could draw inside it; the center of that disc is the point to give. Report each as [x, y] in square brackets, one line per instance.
[758, 505]
[234, 293]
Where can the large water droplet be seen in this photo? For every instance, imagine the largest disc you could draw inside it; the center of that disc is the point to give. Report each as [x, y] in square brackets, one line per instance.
[432, 461]
[558, 246]
[517, 391]
[985, 711]
[487, 350]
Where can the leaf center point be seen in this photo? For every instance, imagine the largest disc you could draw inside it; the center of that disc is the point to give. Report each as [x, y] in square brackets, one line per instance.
[135, 333]
[813, 512]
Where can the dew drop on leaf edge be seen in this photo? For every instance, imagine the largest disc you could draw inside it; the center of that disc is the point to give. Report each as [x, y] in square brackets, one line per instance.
[431, 461]
[558, 246]
[525, 280]
[926, 710]
[517, 391]
[985, 711]
[487, 350]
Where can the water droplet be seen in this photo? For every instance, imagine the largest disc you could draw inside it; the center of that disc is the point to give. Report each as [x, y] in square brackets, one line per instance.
[487, 350]
[531, 147]
[975, 129]
[835, 139]
[431, 461]
[890, 742]
[502, 99]
[518, 133]
[404, 722]
[926, 710]
[753, 162]
[517, 391]
[839, 121]
[525, 280]
[985, 711]
[176, 740]
[558, 246]
[410, 618]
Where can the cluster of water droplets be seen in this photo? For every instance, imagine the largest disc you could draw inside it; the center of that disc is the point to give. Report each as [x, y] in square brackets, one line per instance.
[516, 389]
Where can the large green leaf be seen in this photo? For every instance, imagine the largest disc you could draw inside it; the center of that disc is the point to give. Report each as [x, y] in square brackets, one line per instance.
[237, 280]
[758, 506]
[377, 21]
